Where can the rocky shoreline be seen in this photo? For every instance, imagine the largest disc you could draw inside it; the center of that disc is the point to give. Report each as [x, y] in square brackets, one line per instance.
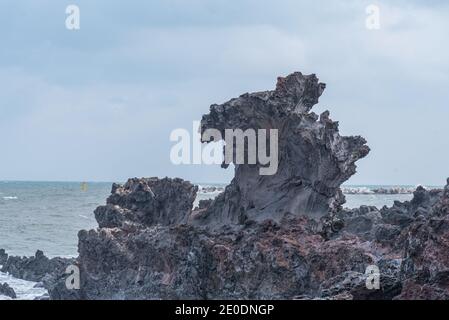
[345, 189]
[285, 236]
[296, 258]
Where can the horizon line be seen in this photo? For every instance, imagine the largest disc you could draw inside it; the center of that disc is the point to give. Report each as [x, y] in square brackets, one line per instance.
[204, 182]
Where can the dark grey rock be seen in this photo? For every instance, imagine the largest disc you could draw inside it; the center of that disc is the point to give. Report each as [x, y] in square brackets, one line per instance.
[354, 283]
[314, 160]
[35, 268]
[387, 233]
[148, 202]
[3, 257]
[7, 291]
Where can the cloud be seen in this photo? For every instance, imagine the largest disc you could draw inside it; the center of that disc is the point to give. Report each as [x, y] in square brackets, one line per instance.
[100, 103]
[232, 50]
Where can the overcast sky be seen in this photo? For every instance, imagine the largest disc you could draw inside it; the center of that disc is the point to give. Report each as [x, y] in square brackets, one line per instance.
[99, 104]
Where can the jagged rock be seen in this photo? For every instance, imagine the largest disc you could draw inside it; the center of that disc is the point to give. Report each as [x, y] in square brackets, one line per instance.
[386, 225]
[204, 204]
[314, 160]
[413, 290]
[354, 283]
[3, 257]
[418, 230]
[7, 291]
[404, 213]
[148, 202]
[35, 268]
[363, 223]
[265, 260]
[426, 261]
[386, 233]
[442, 206]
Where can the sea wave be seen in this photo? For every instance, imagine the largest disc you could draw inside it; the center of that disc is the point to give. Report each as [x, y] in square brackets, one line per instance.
[25, 290]
[211, 189]
[10, 198]
[378, 190]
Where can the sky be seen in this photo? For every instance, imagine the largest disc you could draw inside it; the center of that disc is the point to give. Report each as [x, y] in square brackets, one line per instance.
[99, 103]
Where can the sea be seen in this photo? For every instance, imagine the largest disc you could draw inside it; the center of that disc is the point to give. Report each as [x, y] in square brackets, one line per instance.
[48, 215]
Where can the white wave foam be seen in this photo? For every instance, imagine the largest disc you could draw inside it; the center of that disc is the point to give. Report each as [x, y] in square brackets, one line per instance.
[25, 290]
[10, 198]
[210, 189]
[358, 190]
[378, 190]
[213, 189]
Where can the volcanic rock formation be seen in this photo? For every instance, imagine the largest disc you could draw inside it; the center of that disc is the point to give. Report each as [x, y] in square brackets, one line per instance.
[36, 269]
[148, 202]
[314, 160]
[289, 259]
[284, 236]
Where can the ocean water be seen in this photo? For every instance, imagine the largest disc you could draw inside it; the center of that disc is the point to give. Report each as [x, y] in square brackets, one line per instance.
[48, 215]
